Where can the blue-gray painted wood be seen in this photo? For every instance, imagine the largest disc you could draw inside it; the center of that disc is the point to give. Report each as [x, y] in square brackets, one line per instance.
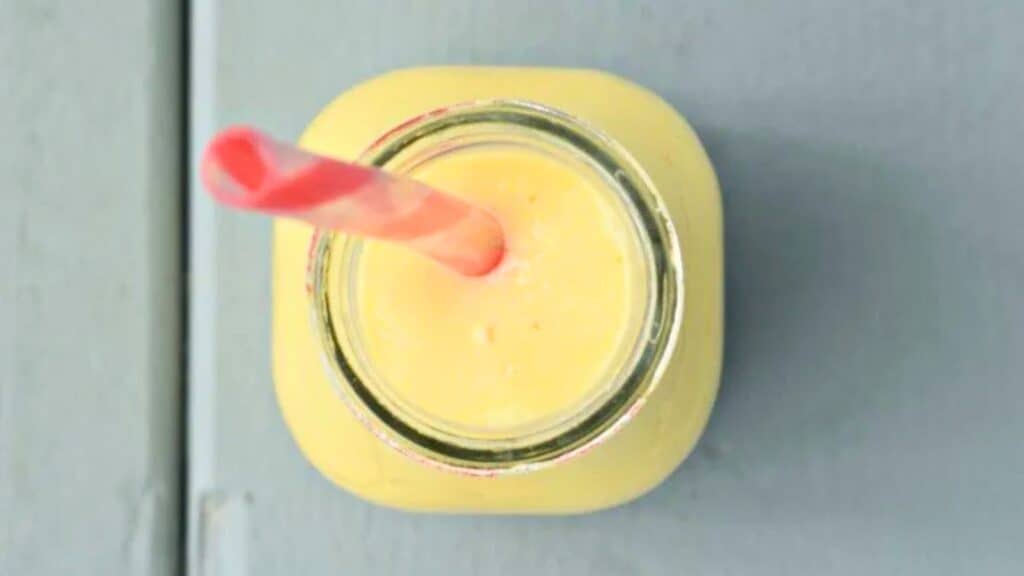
[870, 414]
[90, 342]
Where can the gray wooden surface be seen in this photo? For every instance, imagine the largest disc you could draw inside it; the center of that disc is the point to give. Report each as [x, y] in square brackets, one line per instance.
[90, 340]
[870, 415]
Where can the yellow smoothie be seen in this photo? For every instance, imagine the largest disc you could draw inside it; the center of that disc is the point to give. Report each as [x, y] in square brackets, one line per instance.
[534, 341]
[531, 340]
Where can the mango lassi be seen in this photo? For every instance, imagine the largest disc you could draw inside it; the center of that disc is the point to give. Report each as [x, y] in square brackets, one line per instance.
[571, 378]
[531, 340]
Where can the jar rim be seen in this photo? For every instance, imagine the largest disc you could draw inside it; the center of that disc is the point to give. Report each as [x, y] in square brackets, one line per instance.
[655, 341]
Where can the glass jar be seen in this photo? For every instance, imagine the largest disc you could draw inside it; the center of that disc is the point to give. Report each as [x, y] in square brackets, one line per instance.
[638, 366]
[618, 441]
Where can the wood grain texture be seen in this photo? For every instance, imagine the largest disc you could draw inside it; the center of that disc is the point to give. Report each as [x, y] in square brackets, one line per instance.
[869, 419]
[90, 281]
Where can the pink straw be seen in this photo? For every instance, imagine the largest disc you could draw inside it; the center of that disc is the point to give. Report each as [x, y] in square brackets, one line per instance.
[247, 169]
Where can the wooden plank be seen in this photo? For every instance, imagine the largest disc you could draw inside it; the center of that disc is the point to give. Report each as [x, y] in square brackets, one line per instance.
[869, 417]
[90, 281]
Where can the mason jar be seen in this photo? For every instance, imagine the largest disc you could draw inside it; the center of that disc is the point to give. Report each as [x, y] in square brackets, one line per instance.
[635, 424]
